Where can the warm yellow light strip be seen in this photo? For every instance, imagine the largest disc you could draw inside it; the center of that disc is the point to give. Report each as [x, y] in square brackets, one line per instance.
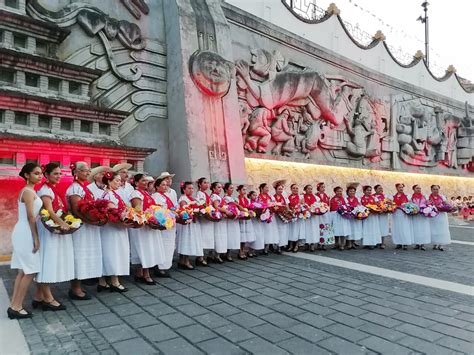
[267, 170]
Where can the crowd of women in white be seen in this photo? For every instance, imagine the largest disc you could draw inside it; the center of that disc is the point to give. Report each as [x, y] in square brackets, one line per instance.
[106, 252]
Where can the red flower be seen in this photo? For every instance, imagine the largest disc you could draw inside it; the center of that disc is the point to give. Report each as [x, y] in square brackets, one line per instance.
[321, 226]
[321, 240]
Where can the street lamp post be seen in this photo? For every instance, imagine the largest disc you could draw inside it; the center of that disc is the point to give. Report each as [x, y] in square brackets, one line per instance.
[427, 41]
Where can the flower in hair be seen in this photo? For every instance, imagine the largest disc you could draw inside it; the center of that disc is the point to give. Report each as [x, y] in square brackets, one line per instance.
[181, 184]
[43, 168]
[72, 166]
[109, 175]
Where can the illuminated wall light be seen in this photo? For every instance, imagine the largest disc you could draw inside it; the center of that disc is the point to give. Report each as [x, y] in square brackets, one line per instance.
[266, 170]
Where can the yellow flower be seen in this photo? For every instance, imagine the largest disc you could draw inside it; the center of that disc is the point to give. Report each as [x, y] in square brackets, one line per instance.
[169, 224]
[44, 213]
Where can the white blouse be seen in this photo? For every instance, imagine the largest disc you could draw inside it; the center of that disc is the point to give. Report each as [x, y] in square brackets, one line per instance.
[75, 190]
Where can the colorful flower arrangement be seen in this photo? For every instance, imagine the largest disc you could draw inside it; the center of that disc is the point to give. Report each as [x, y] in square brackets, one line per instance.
[446, 207]
[73, 222]
[209, 213]
[134, 217]
[410, 208]
[360, 212]
[375, 208]
[287, 215]
[258, 207]
[319, 208]
[232, 209]
[184, 215]
[429, 211]
[303, 212]
[387, 205]
[160, 218]
[266, 216]
[246, 214]
[95, 211]
[326, 233]
[345, 211]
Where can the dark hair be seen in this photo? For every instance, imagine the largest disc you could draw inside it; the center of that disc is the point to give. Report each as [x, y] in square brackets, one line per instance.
[184, 185]
[251, 193]
[278, 184]
[200, 181]
[336, 188]
[214, 185]
[414, 186]
[49, 168]
[227, 185]
[240, 187]
[108, 177]
[158, 182]
[366, 187]
[319, 185]
[350, 188]
[431, 187]
[306, 187]
[262, 186]
[136, 179]
[291, 186]
[377, 186]
[28, 169]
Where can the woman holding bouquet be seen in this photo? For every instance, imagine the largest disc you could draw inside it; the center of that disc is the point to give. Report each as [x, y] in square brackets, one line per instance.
[87, 243]
[269, 229]
[356, 224]
[257, 226]
[440, 234]
[188, 235]
[296, 230]
[282, 205]
[247, 233]
[325, 227]
[311, 225]
[220, 228]
[146, 242]
[383, 217]
[370, 225]
[421, 224]
[114, 237]
[168, 236]
[207, 227]
[342, 227]
[57, 250]
[233, 227]
[25, 240]
[402, 229]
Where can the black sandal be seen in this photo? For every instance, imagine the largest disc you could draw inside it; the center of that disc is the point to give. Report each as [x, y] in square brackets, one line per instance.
[76, 297]
[149, 281]
[201, 262]
[185, 267]
[12, 314]
[36, 304]
[101, 288]
[119, 288]
[48, 306]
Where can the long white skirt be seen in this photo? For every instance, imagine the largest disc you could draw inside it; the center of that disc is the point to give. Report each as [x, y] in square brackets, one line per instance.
[371, 231]
[220, 236]
[402, 229]
[247, 233]
[421, 229]
[115, 250]
[189, 239]
[147, 245]
[283, 229]
[87, 252]
[207, 233]
[384, 224]
[168, 238]
[311, 229]
[270, 231]
[296, 230]
[259, 243]
[57, 256]
[341, 226]
[22, 256]
[440, 229]
[233, 234]
[356, 229]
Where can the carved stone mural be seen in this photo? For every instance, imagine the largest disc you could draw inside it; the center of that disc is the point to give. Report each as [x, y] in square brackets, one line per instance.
[211, 73]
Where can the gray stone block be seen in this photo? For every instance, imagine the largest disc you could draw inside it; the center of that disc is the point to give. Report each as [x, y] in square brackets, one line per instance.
[220, 346]
[346, 319]
[308, 332]
[234, 333]
[176, 320]
[134, 346]
[384, 347]
[196, 333]
[419, 332]
[175, 301]
[178, 346]
[93, 309]
[315, 320]
[145, 300]
[456, 344]
[157, 333]
[300, 346]
[348, 333]
[224, 309]
[341, 346]
[117, 333]
[381, 320]
[159, 309]
[423, 346]
[246, 320]
[211, 320]
[280, 320]
[454, 332]
[271, 333]
[382, 332]
[126, 309]
[205, 300]
[260, 346]
[234, 300]
[255, 309]
[379, 309]
[192, 310]
[140, 320]
[451, 321]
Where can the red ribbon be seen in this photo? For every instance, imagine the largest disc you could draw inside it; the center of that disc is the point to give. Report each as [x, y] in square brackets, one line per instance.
[59, 201]
[309, 199]
[88, 195]
[169, 203]
[400, 199]
[120, 205]
[336, 202]
[147, 199]
[353, 201]
[244, 201]
[366, 200]
[294, 200]
[323, 197]
[279, 198]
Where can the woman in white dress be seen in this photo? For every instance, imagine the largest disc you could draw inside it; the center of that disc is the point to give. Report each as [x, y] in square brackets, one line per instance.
[188, 235]
[259, 244]
[87, 244]
[282, 227]
[342, 227]
[269, 230]
[311, 225]
[421, 224]
[207, 227]
[25, 240]
[168, 236]
[383, 217]
[57, 251]
[440, 234]
[247, 233]
[114, 240]
[370, 226]
[402, 228]
[296, 229]
[233, 227]
[146, 242]
[220, 228]
[356, 224]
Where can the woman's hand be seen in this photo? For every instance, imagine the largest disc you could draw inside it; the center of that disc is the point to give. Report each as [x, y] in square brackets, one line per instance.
[36, 245]
[64, 226]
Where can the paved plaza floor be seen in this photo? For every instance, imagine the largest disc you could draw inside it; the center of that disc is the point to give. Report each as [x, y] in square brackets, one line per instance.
[275, 305]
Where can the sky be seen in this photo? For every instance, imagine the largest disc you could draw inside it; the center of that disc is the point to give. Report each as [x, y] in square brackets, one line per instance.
[451, 28]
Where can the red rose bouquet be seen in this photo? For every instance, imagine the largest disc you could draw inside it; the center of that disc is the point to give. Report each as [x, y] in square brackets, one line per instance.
[95, 212]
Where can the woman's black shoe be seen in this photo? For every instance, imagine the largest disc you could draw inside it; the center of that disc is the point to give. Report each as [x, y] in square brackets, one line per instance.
[12, 314]
[405, 247]
[185, 267]
[119, 288]
[243, 257]
[201, 262]
[36, 304]
[50, 307]
[218, 260]
[101, 288]
[76, 297]
[139, 279]
[278, 251]
[162, 273]
[149, 282]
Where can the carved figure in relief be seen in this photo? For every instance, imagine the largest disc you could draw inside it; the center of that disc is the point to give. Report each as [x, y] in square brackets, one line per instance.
[259, 132]
[283, 134]
[211, 73]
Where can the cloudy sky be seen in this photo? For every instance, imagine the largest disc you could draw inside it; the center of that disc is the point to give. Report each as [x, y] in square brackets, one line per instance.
[450, 22]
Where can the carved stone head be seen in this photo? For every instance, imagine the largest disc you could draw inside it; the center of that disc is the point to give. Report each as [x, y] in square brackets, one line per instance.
[211, 73]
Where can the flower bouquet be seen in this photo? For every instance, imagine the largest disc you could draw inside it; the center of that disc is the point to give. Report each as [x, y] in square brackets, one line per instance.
[345, 211]
[211, 214]
[266, 216]
[233, 211]
[446, 207]
[160, 218]
[287, 215]
[375, 208]
[117, 215]
[95, 211]
[258, 207]
[246, 214]
[361, 212]
[134, 217]
[410, 208]
[184, 215]
[319, 208]
[387, 205]
[303, 212]
[73, 222]
[429, 211]
[276, 207]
